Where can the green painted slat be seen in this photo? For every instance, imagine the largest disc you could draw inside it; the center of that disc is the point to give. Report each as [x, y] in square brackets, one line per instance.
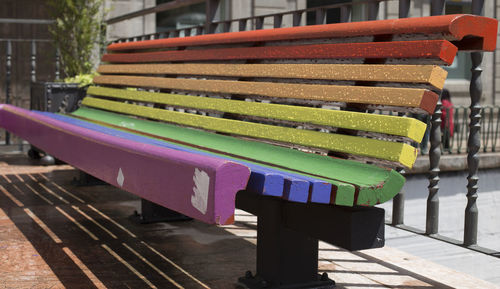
[376, 185]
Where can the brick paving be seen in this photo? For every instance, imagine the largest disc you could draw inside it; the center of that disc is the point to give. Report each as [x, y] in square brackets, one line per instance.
[54, 234]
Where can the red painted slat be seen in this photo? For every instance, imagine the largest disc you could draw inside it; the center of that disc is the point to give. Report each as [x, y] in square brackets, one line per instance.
[433, 49]
[479, 33]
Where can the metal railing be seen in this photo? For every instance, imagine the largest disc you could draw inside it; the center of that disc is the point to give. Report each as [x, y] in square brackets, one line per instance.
[454, 131]
[10, 57]
[467, 133]
[9, 98]
[245, 23]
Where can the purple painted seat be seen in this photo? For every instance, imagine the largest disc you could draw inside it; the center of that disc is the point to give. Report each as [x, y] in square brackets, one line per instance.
[205, 187]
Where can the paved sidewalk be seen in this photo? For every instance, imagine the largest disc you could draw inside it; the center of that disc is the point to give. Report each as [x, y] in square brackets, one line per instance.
[54, 234]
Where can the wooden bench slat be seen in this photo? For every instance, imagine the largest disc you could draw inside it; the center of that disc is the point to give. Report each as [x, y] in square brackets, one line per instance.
[396, 152]
[166, 176]
[389, 96]
[441, 51]
[481, 33]
[374, 184]
[383, 124]
[426, 74]
[263, 180]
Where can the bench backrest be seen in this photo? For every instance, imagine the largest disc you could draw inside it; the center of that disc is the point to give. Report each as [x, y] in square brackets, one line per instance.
[302, 87]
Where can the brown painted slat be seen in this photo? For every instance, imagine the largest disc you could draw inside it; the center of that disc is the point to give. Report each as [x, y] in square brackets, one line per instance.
[390, 96]
[427, 74]
[440, 51]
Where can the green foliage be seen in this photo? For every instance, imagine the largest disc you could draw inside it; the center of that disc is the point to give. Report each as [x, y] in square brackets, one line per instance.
[82, 79]
[78, 31]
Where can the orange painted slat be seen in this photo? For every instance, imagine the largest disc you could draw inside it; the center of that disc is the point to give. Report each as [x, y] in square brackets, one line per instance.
[479, 33]
[391, 96]
[441, 50]
[425, 74]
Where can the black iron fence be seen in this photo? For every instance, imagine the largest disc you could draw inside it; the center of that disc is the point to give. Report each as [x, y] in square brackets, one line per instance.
[455, 122]
[17, 90]
[467, 132]
[22, 59]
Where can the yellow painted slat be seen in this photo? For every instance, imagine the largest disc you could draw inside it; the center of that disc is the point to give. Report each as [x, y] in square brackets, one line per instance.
[405, 97]
[386, 150]
[392, 125]
[427, 74]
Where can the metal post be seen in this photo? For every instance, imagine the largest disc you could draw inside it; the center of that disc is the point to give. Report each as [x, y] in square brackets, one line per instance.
[373, 10]
[278, 21]
[33, 61]
[398, 203]
[345, 13]
[211, 10]
[242, 25]
[297, 17]
[320, 16]
[398, 206]
[7, 82]
[474, 142]
[432, 213]
[437, 7]
[404, 8]
[58, 64]
[259, 23]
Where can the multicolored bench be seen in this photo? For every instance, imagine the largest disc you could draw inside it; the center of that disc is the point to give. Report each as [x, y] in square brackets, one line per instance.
[277, 122]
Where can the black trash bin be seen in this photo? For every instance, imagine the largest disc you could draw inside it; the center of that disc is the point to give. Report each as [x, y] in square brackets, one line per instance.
[57, 97]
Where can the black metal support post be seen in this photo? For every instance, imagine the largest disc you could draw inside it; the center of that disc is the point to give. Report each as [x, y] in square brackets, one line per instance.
[153, 213]
[7, 82]
[288, 234]
[432, 213]
[85, 180]
[285, 258]
[398, 203]
[474, 142]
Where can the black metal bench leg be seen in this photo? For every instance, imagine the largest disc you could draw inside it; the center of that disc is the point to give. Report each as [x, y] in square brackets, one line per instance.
[285, 258]
[153, 213]
[85, 179]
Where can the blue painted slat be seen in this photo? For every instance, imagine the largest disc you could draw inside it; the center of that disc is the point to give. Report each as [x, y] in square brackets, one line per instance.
[320, 192]
[263, 180]
[265, 183]
[296, 190]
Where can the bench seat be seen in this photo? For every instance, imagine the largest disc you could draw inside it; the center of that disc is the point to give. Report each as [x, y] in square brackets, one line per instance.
[148, 171]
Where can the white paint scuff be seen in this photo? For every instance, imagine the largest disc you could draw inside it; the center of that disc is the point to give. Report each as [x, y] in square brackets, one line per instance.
[201, 186]
[120, 178]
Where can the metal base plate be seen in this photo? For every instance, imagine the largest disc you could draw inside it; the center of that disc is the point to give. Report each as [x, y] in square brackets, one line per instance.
[153, 213]
[255, 282]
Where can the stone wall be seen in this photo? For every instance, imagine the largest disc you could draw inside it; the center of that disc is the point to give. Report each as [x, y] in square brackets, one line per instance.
[132, 27]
